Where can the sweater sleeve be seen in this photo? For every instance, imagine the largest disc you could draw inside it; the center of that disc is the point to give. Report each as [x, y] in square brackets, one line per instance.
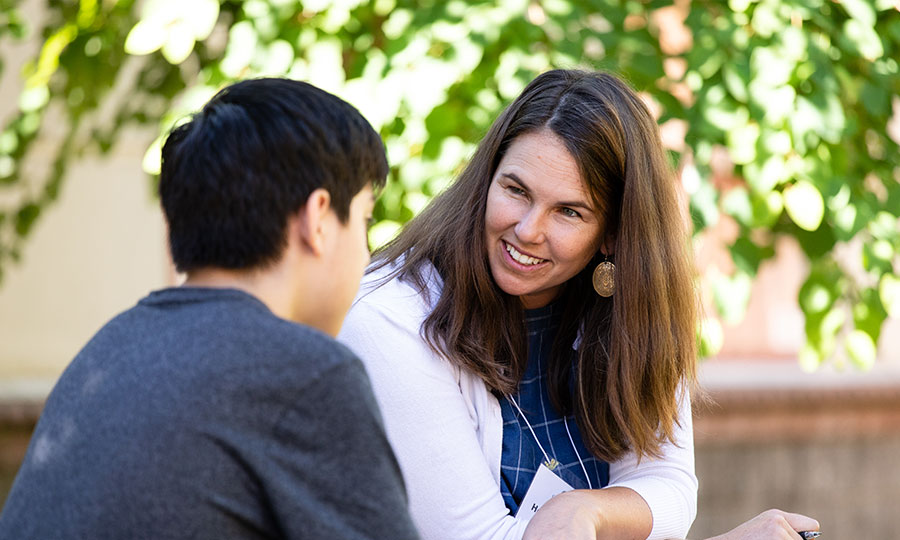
[332, 473]
[452, 492]
[668, 484]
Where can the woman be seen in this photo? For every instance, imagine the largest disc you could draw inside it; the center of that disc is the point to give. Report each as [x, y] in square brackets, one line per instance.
[535, 324]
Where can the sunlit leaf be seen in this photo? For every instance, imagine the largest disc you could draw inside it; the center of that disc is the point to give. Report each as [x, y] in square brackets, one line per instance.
[861, 349]
[32, 99]
[732, 294]
[712, 337]
[152, 162]
[770, 68]
[864, 38]
[742, 143]
[809, 358]
[737, 204]
[765, 20]
[179, 43]
[383, 232]
[7, 166]
[145, 37]
[815, 297]
[242, 46]
[889, 291]
[201, 16]
[704, 209]
[860, 10]
[804, 205]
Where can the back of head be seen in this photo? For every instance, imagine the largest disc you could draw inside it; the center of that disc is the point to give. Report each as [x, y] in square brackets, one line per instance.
[233, 174]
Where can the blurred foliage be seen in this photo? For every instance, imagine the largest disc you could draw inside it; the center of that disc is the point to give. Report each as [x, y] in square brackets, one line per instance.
[786, 106]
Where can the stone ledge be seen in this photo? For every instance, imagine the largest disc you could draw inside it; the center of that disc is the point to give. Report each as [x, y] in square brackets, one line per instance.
[763, 402]
[22, 400]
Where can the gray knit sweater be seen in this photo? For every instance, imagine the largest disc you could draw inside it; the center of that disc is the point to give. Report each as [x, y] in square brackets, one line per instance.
[200, 414]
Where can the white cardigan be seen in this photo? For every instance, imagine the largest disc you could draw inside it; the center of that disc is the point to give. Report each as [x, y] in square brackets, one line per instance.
[446, 428]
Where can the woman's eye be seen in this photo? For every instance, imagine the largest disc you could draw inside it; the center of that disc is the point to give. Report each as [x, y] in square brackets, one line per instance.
[516, 190]
[570, 213]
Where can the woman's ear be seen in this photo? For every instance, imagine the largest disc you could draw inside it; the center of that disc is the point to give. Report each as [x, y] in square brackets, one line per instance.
[310, 225]
[608, 246]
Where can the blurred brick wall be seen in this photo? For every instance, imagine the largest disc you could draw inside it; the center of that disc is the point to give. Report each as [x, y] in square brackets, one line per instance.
[825, 444]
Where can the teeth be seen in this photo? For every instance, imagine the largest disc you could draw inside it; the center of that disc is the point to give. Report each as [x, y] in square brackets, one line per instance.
[523, 259]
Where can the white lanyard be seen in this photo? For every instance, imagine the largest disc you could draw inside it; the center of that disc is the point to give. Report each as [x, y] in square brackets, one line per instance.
[552, 463]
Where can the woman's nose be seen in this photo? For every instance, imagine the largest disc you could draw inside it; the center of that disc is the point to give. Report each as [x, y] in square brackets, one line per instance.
[530, 228]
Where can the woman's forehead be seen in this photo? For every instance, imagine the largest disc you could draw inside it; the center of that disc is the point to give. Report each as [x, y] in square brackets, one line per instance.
[542, 163]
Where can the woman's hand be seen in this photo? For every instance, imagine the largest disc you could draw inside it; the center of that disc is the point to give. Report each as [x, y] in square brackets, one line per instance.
[771, 525]
[567, 516]
[588, 514]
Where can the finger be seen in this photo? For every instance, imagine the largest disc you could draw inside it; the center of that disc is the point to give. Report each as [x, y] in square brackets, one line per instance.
[799, 522]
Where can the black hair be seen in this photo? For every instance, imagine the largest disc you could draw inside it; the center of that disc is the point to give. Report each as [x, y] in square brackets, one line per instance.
[233, 174]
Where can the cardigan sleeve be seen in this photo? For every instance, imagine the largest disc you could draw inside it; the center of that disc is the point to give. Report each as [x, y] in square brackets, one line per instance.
[452, 492]
[668, 484]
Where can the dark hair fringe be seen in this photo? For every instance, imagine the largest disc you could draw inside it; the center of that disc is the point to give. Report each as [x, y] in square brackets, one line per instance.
[233, 174]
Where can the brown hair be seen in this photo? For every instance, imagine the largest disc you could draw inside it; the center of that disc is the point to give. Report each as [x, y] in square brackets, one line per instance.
[635, 349]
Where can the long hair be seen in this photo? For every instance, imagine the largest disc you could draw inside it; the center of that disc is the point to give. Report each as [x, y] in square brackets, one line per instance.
[635, 350]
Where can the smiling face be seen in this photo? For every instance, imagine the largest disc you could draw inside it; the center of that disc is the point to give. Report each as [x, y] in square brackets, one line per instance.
[541, 228]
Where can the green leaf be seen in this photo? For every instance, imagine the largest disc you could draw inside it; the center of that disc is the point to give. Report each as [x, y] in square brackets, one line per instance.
[748, 256]
[849, 220]
[26, 217]
[810, 358]
[816, 295]
[818, 243]
[732, 294]
[770, 68]
[889, 293]
[860, 10]
[383, 232]
[766, 20]
[869, 314]
[742, 143]
[864, 39]
[737, 78]
[704, 210]
[145, 37]
[861, 349]
[737, 204]
[712, 337]
[804, 204]
[877, 256]
[876, 99]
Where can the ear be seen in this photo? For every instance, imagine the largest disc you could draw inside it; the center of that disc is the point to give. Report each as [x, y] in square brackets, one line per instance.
[608, 247]
[310, 221]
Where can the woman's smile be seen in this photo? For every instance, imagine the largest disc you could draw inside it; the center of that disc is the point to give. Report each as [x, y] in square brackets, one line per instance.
[518, 258]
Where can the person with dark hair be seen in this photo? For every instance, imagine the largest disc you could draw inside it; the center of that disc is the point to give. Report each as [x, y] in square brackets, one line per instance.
[224, 408]
[533, 330]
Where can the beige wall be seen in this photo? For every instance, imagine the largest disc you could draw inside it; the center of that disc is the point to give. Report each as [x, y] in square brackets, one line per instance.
[91, 255]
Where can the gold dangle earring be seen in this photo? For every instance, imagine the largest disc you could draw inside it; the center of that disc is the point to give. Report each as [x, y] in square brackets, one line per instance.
[604, 278]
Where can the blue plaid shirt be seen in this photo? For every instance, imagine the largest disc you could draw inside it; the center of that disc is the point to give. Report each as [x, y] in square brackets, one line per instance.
[521, 455]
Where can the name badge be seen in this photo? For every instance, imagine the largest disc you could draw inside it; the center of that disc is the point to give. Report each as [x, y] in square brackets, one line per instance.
[545, 486]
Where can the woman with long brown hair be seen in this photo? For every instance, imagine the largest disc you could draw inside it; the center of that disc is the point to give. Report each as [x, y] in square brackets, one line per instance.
[533, 329]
